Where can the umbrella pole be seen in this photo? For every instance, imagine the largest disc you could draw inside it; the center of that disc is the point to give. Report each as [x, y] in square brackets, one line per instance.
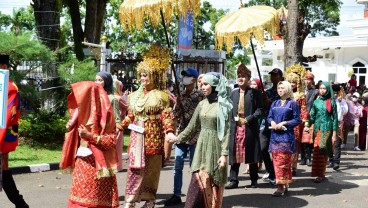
[169, 46]
[255, 59]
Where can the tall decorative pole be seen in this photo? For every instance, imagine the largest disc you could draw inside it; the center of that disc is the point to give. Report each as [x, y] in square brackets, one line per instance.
[103, 51]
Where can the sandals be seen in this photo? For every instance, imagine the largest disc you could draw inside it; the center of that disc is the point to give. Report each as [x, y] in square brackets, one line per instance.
[278, 193]
[319, 179]
[246, 171]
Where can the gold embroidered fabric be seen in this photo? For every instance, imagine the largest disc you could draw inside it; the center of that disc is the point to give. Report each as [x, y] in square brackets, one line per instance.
[133, 13]
[241, 103]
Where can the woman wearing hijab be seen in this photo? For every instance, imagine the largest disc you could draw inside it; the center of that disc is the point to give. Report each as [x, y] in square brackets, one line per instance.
[284, 116]
[324, 118]
[119, 107]
[119, 114]
[209, 168]
[89, 148]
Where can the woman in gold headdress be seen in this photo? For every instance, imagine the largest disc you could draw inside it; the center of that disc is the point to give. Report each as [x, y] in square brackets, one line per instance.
[295, 75]
[150, 120]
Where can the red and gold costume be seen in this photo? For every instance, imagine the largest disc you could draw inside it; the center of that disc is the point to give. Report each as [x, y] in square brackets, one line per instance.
[296, 74]
[93, 180]
[150, 110]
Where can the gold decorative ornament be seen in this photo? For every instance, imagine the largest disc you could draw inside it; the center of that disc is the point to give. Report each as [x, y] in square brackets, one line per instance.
[155, 62]
[296, 73]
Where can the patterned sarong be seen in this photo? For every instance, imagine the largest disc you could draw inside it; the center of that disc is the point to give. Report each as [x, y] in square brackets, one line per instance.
[203, 192]
[240, 144]
[319, 161]
[282, 165]
[87, 190]
[142, 184]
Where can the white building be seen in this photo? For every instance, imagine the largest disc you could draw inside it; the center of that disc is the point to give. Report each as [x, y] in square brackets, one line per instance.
[340, 54]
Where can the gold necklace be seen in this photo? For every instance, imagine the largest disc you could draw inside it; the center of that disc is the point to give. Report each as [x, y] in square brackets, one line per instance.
[283, 102]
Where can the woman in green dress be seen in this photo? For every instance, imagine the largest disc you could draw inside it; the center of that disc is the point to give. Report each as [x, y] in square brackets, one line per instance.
[209, 167]
[323, 116]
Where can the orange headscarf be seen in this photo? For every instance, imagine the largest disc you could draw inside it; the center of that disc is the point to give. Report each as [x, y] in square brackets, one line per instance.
[94, 112]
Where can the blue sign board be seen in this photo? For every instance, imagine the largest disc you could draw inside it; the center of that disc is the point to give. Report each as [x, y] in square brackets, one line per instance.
[4, 77]
[185, 32]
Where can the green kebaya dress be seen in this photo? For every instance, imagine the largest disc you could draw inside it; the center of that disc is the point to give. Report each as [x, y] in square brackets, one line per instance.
[209, 147]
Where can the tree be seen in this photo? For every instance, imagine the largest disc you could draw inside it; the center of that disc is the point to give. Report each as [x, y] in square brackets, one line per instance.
[93, 22]
[47, 16]
[21, 21]
[305, 17]
[25, 48]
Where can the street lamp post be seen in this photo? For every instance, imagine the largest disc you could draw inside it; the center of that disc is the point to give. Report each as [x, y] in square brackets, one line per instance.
[103, 51]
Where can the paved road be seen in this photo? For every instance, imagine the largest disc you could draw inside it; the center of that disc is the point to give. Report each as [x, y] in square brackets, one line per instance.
[347, 187]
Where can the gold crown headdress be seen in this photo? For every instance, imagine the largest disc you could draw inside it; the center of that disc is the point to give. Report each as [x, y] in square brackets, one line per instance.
[155, 62]
[296, 73]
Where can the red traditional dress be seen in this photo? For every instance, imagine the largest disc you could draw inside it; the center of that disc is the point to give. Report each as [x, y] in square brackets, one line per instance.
[93, 160]
[300, 99]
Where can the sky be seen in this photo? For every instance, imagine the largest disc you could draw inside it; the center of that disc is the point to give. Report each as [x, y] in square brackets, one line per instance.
[349, 10]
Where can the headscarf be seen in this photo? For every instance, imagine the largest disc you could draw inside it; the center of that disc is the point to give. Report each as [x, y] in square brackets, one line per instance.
[258, 82]
[95, 112]
[118, 87]
[224, 103]
[328, 96]
[289, 91]
[106, 76]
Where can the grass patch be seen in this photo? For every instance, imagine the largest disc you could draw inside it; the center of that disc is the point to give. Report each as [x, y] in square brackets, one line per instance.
[29, 153]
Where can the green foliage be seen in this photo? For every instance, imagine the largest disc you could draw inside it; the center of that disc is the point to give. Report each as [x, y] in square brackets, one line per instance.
[21, 20]
[24, 47]
[322, 15]
[44, 128]
[74, 71]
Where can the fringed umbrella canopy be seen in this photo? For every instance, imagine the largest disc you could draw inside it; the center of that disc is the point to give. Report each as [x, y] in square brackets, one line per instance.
[244, 22]
[133, 13]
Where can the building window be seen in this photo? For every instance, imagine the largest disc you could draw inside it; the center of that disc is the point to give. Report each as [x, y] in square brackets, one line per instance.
[332, 77]
[360, 71]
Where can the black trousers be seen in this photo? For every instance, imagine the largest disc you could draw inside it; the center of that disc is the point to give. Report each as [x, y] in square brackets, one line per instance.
[264, 136]
[306, 151]
[11, 190]
[334, 157]
[234, 172]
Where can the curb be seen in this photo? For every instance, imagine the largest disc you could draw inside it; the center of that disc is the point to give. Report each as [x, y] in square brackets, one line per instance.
[35, 168]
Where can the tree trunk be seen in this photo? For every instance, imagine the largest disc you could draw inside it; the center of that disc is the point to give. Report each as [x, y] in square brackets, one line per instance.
[78, 34]
[95, 12]
[296, 33]
[47, 16]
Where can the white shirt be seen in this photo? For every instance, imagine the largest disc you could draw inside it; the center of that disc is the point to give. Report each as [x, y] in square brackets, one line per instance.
[342, 109]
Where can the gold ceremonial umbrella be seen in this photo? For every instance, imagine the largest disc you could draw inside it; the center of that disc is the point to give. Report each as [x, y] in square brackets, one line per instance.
[132, 13]
[244, 23]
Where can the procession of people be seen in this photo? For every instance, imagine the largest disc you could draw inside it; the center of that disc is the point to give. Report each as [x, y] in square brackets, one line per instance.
[214, 125]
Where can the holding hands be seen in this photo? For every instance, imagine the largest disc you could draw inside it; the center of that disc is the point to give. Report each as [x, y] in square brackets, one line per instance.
[222, 161]
[170, 137]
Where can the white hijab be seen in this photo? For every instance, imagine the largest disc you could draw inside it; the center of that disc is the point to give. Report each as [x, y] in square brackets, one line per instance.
[289, 91]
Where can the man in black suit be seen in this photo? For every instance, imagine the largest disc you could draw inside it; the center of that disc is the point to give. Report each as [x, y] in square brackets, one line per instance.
[244, 143]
